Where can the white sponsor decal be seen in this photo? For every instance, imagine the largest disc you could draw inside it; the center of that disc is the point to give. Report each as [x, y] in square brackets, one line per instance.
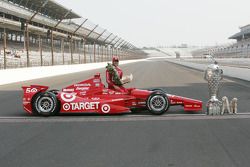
[96, 80]
[97, 85]
[105, 108]
[83, 93]
[68, 97]
[31, 90]
[79, 85]
[141, 103]
[112, 92]
[81, 106]
[95, 98]
[197, 106]
[68, 90]
[105, 91]
[66, 107]
[82, 88]
[172, 101]
[113, 100]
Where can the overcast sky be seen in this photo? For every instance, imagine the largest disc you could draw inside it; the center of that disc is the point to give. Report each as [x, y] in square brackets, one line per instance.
[166, 22]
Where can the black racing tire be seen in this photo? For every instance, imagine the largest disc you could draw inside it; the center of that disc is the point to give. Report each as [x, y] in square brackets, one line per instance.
[45, 104]
[158, 103]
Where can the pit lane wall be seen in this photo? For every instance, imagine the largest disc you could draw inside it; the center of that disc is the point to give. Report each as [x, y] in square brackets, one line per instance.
[24, 74]
[234, 72]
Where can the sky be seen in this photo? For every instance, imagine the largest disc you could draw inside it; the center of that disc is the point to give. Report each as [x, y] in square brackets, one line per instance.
[166, 22]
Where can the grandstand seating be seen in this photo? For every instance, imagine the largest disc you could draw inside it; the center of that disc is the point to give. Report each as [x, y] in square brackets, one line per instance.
[79, 39]
[239, 49]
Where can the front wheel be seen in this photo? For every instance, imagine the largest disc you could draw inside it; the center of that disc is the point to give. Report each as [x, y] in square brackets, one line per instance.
[45, 104]
[158, 103]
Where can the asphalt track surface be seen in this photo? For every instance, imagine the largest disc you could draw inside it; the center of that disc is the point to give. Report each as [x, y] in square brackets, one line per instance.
[174, 139]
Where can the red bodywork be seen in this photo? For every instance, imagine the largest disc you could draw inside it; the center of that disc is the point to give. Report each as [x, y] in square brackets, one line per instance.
[91, 96]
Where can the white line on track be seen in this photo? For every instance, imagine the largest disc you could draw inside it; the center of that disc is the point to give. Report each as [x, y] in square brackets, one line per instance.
[123, 118]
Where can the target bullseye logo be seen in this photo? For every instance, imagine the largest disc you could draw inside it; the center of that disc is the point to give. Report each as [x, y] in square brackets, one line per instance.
[68, 97]
[105, 108]
[66, 107]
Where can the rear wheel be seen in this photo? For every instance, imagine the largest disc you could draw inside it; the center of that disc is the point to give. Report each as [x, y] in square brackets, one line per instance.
[45, 104]
[158, 103]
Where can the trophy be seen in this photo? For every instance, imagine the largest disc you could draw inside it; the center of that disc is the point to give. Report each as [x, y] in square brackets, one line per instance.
[213, 75]
[127, 79]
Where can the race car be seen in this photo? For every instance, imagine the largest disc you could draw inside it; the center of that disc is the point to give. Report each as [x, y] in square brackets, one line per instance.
[91, 96]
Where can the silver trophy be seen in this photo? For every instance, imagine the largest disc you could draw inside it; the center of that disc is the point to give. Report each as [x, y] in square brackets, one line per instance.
[213, 75]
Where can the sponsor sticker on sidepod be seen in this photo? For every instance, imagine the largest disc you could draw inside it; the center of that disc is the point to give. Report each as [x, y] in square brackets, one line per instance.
[68, 97]
[82, 85]
[82, 88]
[81, 106]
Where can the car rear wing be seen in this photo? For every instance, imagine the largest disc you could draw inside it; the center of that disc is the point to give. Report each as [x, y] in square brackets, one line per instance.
[33, 89]
[29, 92]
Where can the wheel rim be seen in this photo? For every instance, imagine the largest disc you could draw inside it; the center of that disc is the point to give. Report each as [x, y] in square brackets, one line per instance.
[158, 103]
[45, 104]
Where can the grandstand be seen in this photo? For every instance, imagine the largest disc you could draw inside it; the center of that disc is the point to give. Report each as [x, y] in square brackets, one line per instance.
[238, 49]
[43, 33]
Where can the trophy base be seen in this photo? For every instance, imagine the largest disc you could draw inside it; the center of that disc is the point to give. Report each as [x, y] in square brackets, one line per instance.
[214, 107]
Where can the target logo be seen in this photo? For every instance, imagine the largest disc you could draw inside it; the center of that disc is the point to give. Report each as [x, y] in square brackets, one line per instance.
[66, 107]
[105, 108]
[68, 97]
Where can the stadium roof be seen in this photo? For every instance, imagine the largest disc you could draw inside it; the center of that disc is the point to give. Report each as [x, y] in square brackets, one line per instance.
[54, 12]
[240, 35]
[51, 9]
[245, 32]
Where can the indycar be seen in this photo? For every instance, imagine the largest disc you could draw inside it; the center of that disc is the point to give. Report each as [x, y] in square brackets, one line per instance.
[91, 96]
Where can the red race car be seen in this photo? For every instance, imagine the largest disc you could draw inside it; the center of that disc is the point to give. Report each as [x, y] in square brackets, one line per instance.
[91, 96]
